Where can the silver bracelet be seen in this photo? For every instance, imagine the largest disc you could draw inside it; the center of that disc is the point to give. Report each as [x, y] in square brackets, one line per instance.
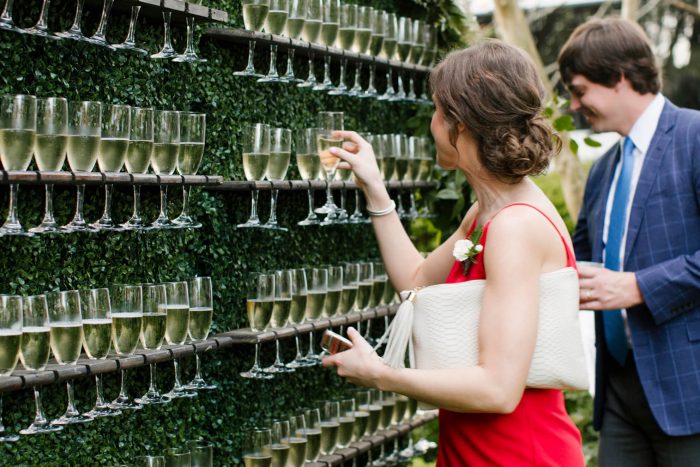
[382, 212]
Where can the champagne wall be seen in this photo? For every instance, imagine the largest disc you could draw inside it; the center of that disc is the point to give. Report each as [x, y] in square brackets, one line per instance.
[75, 70]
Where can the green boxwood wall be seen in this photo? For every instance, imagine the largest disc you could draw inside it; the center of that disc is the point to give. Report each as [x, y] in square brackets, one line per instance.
[34, 265]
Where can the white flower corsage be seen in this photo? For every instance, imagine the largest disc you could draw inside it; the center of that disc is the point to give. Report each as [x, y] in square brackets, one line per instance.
[465, 251]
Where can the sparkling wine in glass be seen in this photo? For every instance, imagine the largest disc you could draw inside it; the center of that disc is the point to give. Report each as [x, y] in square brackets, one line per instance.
[333, 291]
[361, 403]
[281, 309]
[130, 41]
[309, 166]
[10, 339]
[275, 23]
[351, 282]
[66, 334]
[155, 312]
[293, 29]
[388, 52]
[256, 153]
[297, 441]
[176, 328]
[259, 305]
[297, 313]
[189, 159]
[317, 280]
[279, 447]
[330, 426]
[166, 145]
[127, 319]
[17, 135]
[375, 47]
[34, 355]
[404, 42]
[328, 123]
[344, 41]
[84, 131]
[310, 33]
[201, 311]
[256, 452]
[363, 34]
[138, 158]
[277, 165]
[346, 421]
[312, 419]
[329, 33]
[254, 14]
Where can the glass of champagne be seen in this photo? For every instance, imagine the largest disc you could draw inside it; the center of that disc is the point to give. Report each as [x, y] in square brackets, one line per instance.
[17, 134]
[344, 41]
[292, 29]
[375, 411]
[84, 130]
[114, 142]
[330, 425]
[277, 165]
[202, 453]
[414, 163]
[388, 51]
[130, 41]
[275, 22]
[127, 319]
[317, 279]
[310, 33]
[167, 51]
[417, 48]
[256, 451]
[261, 297]
[328, 123]
[278, 447]
[138, 158]
[401, 153]
[309, 165]
[343, 175]
[346, 421]
[35, 354]
[375, 47]
[297, 312]
[378, 284]
[363, 34]
[178, 457]
[192, 138]
[404, 42]
[312, 420]
[166, 144]
[10, 340]
[155, 311]
[75, 32]
[149, 461]
[50, 149]
[330, 23]
[201, 311]
[387, 402]
[361, 414]
[176, 327]
[254, 14]
[281, 309]
[296, 441]
[66, 331]
[364, 290]
[97, 328]
[351, 282]
[256, 153]
[333, 291]
[388, 159]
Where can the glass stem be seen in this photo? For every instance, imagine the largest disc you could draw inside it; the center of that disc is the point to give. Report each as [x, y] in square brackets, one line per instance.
[39, 416]
[185, 201]
[152, 378]
[273, 207]
[250, 68]
[12, 213]
[102, 28]
[198, 367]
[122, 389]
[163, 202]
[78, 16]
[343, 64]
[311, 203]
[137, 202]
[343, 194]
[327, 71]
[7, 12]
[329, 194]
[370, 86]
[278, 359]
[189, 50]
[99, 398]
[167, 43]
[312, 75]
[79, 205]
[71, 410]
[41, 25]
[256, 364]
[358, 71]
[298, 356]
[357, 212]
[131, 35]
[48, 211]
[273, 61]
[311, 345]
[253, 206]
[107, 215]
[176, 364]
[2, 427]
[290, 64]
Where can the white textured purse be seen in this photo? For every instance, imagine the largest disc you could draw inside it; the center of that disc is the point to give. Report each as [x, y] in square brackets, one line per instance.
[440, 326]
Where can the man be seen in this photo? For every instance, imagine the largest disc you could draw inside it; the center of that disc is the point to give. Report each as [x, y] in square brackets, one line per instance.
[641, 218]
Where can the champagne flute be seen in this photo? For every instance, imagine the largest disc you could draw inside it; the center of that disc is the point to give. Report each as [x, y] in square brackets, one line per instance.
[41, 27]
[293, 29]
[281, 309]
[149, 461]
[167, 51]
[176, 328]
[127, 320]
[297, 441]
[155, 312]
[192, 137]
[364, 290]
[346, 421]
[254, 448]
[50, 149]
[277, 165]
[362, 414]
[388, 51]
[199, 324]
[375, 411]
[387, 402]
[114, 142]
[344, 41]
[417, 47]
[414, 162]
[378, 284]
[254, 14]
[202, 453]
[310, 33]
[297, 313]
[312, 420]
[317, 279]
[329, 32]
[275, 22]
[388, 159]
[404, 42]
[6, 21]
[190, 53]
[99, 38]
[333, 291]
[309, 165]
[278, 447]
[66, 330]
[130, 41]
[35, 354]
[363, 34]
[166, 144]
[75, 32]
[261, 297]
[178, 457]
[97, 327]
[330, 425]
[11, 337]
[343, 175]
[256, 152]
[328, 123]
[17, 134]
[138, 158]
[375, 47]
[401, 153]
[84, 131]
[351, 282]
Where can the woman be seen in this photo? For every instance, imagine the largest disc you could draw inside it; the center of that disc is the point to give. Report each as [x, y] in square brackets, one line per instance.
[488, 124]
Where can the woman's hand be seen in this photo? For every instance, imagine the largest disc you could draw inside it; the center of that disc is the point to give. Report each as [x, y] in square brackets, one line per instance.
[360, 365]
[358, 155]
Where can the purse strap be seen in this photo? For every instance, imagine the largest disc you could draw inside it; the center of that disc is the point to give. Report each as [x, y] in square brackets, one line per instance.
[400, 333]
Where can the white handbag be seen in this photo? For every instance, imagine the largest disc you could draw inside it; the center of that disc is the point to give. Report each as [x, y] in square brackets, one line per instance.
[439, 325]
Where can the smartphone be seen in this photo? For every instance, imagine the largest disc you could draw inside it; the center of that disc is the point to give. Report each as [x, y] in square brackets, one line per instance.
[333, 342]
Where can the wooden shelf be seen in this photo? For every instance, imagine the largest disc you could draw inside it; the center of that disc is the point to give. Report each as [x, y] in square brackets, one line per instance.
[242, 36]
[306, 184]
[179, 9]
[54, 373]
[101, 178]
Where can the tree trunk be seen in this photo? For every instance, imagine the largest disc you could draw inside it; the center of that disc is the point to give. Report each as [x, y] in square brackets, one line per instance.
[630, 10]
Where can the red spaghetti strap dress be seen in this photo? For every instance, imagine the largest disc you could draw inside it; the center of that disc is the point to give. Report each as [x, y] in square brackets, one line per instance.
[538, 433]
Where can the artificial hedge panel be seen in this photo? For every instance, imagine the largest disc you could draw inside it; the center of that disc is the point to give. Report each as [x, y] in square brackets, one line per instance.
[34, 265]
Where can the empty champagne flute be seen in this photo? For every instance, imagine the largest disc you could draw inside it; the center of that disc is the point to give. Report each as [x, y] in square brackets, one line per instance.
[75, 32]
[130, 41]
[275, 22]
[201, 312]
[166, 144]
[84, 130]
[388, 51]
[293, 29]
[10, 338]
[138, 158]
[127, 320]
[114, 142]
[256, 153]
[50, 149]
[277, 165]
[41, 27]
[167, 51]
[66, 331]
[99, 38]
[363, 34]
[375, 47]
[155, 312]
[310, 33]
[309, 165]
[17, 135]
[281, 309]
[254, 14]
[35, 355]
[190, 53]
[297, 312]
[328, 123]
[261, 297]
[317, 280]
[256, 447]
[312, 419]
[297, 441]
[329, 32]
[344, 41]
[176, 328]
[192, 138]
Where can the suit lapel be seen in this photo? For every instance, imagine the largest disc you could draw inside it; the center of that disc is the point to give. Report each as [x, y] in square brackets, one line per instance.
[652, 161]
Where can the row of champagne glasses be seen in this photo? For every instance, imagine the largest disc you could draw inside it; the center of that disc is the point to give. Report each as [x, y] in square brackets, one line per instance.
[295, 296]
[88, 132]
[194, 453]
[98, 320]
[75, 32]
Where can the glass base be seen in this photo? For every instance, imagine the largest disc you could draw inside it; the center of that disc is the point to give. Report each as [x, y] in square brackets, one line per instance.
[274, 226]
[323, 87]
[186, 222]
[75, 35]
[167, 52]
[135, 223]
[310, 220]
[71, 419]
[14, 229]
[278, 368]
[299, 363]
[291, 79]
[181, 392]
[251, 224]
[103, 411]
[41, 32]
[152, 397]
[101, 41]
[131, 47]
[271, 79]
[189, 58]
[123, 403]
[8, 438]
[162, 223]
[198, 384]
[256, 373]
[46, 227]
[41, 427]
[248, 73]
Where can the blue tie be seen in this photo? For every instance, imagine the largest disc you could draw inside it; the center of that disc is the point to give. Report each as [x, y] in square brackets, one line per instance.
[614, 326]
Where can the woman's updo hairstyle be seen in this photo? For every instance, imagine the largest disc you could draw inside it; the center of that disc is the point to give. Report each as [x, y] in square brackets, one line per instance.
[493, 89]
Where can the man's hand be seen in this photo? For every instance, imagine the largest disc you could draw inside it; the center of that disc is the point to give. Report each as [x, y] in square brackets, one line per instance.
[603, 289]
